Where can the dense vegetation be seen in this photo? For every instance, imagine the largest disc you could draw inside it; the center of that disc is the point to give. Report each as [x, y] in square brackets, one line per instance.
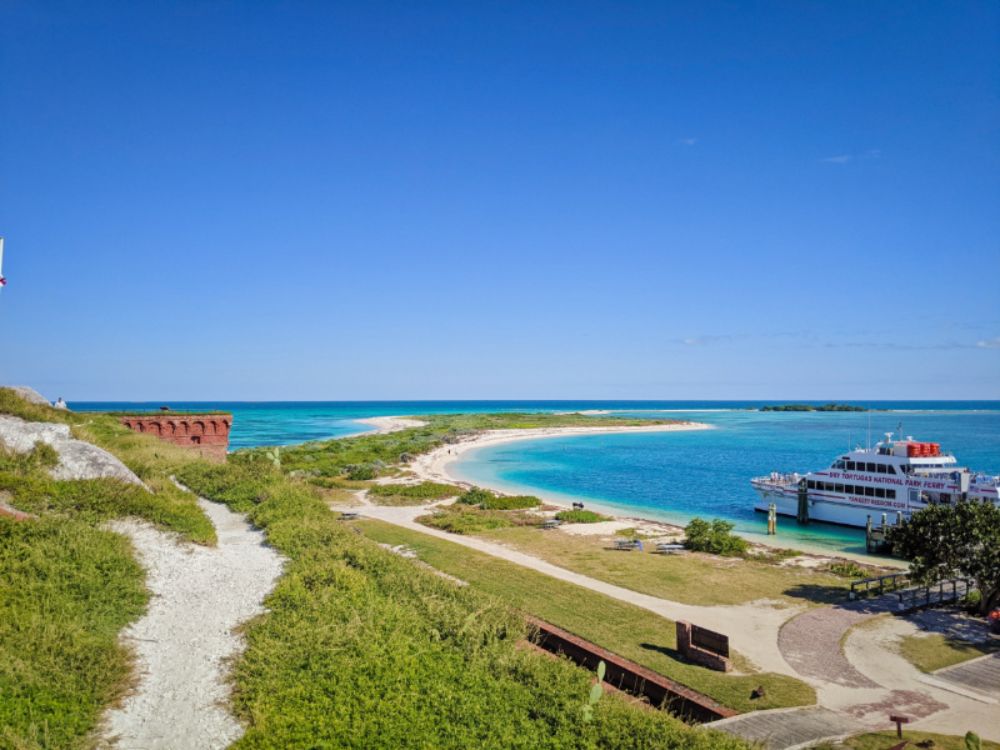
[813, 407]
[360, 648]
[954, 540]
[715, 536]
[368, 456]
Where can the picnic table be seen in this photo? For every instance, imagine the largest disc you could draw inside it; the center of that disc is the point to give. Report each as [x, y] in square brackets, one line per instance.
[669, 548]
[627, 545]
[552, 523]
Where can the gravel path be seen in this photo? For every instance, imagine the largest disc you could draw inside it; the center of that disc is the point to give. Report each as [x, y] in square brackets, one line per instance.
[186, 638]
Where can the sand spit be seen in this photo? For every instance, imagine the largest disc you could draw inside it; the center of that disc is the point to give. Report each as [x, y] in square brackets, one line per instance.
[185, 640]
[389, 424]
[434, 466]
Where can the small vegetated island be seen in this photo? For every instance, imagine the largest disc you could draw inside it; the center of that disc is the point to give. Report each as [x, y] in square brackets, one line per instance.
[813, 407]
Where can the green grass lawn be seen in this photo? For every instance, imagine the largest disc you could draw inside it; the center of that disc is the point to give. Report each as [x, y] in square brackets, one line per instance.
[620, 627]
[691, 578]
[936, 651]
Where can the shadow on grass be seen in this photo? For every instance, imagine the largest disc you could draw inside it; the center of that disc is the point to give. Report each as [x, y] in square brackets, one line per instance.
[670, 653]
[818, 593]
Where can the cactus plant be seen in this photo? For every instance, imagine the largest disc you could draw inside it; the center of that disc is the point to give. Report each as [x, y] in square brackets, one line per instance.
[596, 691]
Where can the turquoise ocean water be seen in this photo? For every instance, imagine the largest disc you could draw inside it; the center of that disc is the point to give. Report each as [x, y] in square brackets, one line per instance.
[671, 476]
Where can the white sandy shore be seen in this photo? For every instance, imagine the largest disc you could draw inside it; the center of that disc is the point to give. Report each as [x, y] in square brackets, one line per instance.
[389, 424]
[435, 466]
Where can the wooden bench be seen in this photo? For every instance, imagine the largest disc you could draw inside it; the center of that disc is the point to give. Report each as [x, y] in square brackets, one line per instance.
[552, 523]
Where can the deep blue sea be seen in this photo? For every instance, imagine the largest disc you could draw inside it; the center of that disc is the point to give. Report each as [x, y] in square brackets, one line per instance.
[672, 476]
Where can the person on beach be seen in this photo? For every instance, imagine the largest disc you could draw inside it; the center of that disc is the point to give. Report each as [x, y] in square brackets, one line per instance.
[60, 404]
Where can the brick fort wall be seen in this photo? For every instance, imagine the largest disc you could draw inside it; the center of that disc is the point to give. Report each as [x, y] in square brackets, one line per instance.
[206, 433]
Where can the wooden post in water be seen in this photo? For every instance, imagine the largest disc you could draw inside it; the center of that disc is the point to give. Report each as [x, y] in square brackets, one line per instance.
[803, 514]
[772, 519]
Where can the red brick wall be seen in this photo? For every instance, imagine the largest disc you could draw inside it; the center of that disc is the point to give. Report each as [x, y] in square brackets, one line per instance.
[206, 433]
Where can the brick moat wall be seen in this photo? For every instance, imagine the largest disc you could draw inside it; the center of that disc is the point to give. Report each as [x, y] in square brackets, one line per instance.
[206, 433]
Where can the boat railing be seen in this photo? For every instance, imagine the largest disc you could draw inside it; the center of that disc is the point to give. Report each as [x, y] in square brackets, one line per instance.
[777, 478]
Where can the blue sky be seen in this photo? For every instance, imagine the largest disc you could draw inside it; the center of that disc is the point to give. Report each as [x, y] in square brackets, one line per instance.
[294, 200]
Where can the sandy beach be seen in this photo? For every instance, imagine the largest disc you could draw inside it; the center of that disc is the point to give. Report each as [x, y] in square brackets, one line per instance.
[435, 466]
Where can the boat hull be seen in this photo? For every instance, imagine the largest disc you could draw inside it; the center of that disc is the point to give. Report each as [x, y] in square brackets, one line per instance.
[786, 503]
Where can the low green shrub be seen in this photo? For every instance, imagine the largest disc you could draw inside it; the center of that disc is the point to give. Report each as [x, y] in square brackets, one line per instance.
[490, 501]
[67, 590]
[580, 516]
[714, 536]
[401, 494]
[475, 496]
[847, 569]
[511, 502]
[457, 520]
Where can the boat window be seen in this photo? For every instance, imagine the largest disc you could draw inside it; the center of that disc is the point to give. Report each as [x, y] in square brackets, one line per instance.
[870, 467]
[889, 469]
[891, 494]
[828, 486]
[869, 492]
[850, 466]
[838, 488]
[810, 484]
[879, 492]
[837, 465]
[881, 468]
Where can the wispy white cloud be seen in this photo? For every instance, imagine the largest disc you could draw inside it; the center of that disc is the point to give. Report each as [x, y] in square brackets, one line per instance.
[872, 153]
[993, 343]
[687, 141]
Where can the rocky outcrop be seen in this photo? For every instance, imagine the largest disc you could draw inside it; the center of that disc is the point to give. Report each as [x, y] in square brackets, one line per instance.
[77, 459]
[30, 395]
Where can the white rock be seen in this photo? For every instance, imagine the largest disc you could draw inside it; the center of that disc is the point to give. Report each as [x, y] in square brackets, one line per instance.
[77, 458]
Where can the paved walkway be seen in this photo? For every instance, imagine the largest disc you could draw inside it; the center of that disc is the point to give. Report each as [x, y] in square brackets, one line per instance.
[811, 641]
[981, 675]
[789, 728]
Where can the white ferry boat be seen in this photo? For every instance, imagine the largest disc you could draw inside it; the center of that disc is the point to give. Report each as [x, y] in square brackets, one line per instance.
[895, 478]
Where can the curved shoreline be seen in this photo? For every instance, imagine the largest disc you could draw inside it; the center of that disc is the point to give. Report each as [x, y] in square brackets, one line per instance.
[439, 466]
[434, 466]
